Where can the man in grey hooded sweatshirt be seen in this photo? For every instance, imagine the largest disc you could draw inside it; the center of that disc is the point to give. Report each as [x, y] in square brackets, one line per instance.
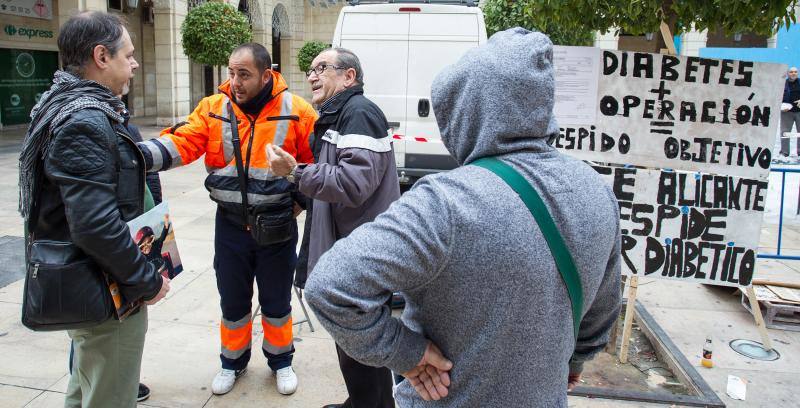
[478, 277]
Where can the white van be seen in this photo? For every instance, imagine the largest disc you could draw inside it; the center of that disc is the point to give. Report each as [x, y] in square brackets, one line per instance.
[402, 46]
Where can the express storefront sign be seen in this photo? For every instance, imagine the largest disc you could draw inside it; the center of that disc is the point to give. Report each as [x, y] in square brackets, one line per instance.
[27, 32]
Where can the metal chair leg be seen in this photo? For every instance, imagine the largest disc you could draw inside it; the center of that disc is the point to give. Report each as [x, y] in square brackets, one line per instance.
[299, 293]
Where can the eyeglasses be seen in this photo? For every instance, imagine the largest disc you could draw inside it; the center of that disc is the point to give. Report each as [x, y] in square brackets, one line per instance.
[319, 69]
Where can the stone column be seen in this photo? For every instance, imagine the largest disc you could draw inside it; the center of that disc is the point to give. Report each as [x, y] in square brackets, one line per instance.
[267, 7]
[692, 41]
[148, 69]
[261, 30]
[608, 40]
[172, 65]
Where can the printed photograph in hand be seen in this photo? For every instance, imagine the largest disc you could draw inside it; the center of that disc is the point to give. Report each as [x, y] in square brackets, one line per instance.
[155, 236]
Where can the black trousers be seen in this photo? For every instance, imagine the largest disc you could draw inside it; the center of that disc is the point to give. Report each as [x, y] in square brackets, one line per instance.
[367, 387]
[238, 260]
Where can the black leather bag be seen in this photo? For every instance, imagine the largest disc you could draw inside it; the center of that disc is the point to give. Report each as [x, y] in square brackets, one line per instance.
[273, 227]
[64, 289]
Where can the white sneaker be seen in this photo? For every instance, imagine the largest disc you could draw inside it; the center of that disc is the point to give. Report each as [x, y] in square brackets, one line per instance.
[287, 381]
[224, 380]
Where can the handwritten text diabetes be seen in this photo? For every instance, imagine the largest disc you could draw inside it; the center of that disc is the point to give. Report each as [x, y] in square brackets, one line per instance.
[664, 107]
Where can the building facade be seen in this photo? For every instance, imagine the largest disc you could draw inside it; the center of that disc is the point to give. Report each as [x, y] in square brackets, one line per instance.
[167, 85]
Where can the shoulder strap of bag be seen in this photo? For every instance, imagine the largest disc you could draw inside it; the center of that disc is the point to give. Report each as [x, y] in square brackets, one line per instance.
[563, 259]
[237, 152]
[33, 216]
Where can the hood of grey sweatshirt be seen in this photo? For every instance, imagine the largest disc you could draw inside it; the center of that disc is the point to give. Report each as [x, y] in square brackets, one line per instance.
[499, 98]
[476, 272]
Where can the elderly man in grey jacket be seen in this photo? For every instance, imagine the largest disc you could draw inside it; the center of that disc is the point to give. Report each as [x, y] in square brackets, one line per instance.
[354, 179]
[478, 277]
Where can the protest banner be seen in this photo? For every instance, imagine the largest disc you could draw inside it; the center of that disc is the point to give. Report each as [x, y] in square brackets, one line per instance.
[701, 130]
[688, 226]
[685, 143]
[682, 113]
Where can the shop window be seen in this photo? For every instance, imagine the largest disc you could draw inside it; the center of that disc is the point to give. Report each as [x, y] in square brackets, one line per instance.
[718, 38]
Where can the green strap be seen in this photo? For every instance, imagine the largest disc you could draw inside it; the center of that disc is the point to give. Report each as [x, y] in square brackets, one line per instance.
[149, 203]
[564, 262]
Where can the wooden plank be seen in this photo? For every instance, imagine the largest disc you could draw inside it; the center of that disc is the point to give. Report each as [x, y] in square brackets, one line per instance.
[790, 295]
[756, 312]
[781, 316]
[775, 283]
[764, 293]
[633, 284]
[668, 40]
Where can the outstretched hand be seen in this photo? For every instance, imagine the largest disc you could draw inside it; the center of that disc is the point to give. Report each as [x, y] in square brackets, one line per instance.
[280, 161]
[431, 377]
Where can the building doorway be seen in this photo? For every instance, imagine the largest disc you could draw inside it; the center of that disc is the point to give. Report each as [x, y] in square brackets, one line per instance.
[276, 49]
[208, 80]
[280, 31]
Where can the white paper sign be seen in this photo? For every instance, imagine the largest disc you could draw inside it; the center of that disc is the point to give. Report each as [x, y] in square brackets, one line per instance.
[577, 70]
[685, 113]
[688, 226]
[28, 8]
[737, 388]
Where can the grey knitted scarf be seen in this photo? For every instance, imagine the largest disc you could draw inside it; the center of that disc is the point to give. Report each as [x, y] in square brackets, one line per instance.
[68, 94]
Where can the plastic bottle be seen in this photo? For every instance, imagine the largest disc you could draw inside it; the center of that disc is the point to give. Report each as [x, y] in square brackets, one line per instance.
[707, 352]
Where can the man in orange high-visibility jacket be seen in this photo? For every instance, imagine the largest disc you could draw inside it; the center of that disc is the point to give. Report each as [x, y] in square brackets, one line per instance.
[259, 243]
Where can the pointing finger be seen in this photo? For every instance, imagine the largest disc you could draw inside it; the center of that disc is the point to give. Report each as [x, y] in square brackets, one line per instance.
[271, 155]
[280, 152]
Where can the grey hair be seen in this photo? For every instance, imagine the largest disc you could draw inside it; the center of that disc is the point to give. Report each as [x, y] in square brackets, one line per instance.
[84, 31]
[347, 59]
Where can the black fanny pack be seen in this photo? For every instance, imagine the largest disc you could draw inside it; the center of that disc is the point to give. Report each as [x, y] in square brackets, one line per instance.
[64, 288]
[272, 224]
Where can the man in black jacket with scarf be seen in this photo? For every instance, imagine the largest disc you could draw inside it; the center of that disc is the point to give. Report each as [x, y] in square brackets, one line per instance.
[81, 180]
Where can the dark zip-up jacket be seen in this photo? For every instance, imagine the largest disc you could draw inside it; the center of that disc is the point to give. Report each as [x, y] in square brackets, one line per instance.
[791, 93]
[354, 178]
[93, 185]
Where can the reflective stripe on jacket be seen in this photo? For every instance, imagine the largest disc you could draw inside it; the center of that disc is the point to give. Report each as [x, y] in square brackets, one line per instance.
[287, 120]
